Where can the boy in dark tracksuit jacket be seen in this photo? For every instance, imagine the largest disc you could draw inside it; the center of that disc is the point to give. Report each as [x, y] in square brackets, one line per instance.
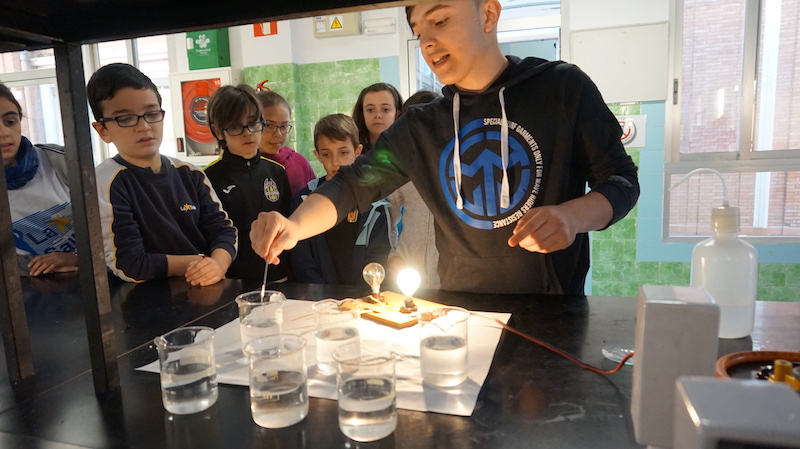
[339, 255]
[244, 181]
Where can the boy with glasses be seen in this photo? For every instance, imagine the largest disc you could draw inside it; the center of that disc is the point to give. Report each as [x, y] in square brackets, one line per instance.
[160, 216]
[246, 182]
[503, 161]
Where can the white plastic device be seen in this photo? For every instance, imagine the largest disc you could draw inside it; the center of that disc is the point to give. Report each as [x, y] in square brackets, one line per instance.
[713, 413]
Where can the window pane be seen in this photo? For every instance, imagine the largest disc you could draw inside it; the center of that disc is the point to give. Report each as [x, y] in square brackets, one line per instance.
[41, 116]
[154, 62]
[27, 60]
[769, 203]
[113, 51]
[778, 93]
[710, 89]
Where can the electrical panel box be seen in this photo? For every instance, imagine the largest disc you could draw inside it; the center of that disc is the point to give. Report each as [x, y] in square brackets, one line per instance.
[208, 49]
[336, 25]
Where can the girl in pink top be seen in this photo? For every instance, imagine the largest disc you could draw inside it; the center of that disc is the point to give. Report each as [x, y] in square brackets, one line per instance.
[277, 113]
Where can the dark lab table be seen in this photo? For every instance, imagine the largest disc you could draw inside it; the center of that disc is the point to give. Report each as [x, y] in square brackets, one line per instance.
[531, 398]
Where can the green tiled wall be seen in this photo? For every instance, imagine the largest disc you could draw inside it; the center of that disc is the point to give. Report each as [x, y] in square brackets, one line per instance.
[617, 272]
[313, 91]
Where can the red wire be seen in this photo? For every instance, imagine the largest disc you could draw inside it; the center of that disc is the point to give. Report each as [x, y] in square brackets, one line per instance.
[558, 351]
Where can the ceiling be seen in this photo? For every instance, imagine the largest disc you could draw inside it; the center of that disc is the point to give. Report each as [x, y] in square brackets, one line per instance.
[35, 24]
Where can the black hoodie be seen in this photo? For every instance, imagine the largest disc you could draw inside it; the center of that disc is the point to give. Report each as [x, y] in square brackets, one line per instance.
[561, 136]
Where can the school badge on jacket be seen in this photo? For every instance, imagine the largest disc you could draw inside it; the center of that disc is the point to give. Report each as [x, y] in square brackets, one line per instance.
[271, 190]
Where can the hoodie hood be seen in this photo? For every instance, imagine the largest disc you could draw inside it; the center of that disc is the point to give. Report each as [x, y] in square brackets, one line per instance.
[516, 72]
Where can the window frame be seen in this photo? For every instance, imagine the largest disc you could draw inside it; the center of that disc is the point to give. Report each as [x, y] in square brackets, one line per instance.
[746, 159]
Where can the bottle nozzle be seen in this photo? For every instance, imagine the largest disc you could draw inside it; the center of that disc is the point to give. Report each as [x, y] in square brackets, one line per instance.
[706, 170]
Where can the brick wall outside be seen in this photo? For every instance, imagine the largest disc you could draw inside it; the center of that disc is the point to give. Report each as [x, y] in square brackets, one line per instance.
[710, 110]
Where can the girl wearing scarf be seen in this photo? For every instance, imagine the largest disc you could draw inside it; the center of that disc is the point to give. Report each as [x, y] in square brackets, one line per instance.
[41, 212]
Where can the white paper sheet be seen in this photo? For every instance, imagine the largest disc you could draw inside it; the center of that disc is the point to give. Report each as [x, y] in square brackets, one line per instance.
[412, 394]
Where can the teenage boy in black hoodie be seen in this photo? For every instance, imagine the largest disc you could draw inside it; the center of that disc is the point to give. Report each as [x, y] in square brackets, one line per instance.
[509, 191]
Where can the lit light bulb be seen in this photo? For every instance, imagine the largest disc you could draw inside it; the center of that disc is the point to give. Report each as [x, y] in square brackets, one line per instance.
[408, 280]
[373, 275]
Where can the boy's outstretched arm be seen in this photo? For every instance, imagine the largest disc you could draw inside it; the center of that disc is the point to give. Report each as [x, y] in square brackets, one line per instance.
[272, 233]
[551, 228]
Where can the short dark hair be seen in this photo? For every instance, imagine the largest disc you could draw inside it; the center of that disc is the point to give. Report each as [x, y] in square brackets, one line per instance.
[358, 109]
[227, 106]
[6, 93]
[420, 97]
[271, 98]
[409, 8]
[336, 127]
[110, 79]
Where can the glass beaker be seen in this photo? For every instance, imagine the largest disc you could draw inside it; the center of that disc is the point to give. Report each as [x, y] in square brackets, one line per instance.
[366, 390]
[260, 315]
[335, 324]
[188, 372]
[443, 350]
[278, 389]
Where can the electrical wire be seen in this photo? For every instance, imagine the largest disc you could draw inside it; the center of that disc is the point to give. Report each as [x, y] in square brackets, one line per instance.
[556, 350]
[529, 338]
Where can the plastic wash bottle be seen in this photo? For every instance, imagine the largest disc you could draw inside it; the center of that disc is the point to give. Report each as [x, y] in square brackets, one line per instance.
[727, 267]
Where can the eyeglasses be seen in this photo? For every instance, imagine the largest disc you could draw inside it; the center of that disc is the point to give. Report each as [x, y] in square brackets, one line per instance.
[131, 120]
[270, 128]
[254, 127]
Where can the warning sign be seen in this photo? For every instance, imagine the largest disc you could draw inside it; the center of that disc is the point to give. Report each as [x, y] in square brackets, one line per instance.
[344, 24]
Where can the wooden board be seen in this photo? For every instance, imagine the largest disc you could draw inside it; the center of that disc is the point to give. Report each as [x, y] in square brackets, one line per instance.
[389, 314]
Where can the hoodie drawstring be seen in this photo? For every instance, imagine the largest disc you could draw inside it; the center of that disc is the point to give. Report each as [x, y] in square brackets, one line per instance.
[504, 189]
[504, 197]
[457, 153]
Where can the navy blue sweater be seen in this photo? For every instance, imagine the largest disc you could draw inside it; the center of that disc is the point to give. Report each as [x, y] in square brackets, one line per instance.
[147, 215]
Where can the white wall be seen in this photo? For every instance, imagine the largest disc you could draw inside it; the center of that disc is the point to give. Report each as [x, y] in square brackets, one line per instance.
[295, 42]
[623, 45]
[308, 49]
[589, 14]
[262, 50]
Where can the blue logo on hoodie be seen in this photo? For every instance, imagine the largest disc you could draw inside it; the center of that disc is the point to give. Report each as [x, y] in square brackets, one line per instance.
[482, 174]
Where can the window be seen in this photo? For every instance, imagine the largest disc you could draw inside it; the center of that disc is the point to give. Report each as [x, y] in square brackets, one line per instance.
[31, 76]
[736, 109]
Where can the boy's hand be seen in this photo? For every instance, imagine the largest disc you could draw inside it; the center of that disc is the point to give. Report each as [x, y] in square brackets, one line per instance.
[543, 230]
[205, 271]
[53, 263]
[271, 234]
[551, 228]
